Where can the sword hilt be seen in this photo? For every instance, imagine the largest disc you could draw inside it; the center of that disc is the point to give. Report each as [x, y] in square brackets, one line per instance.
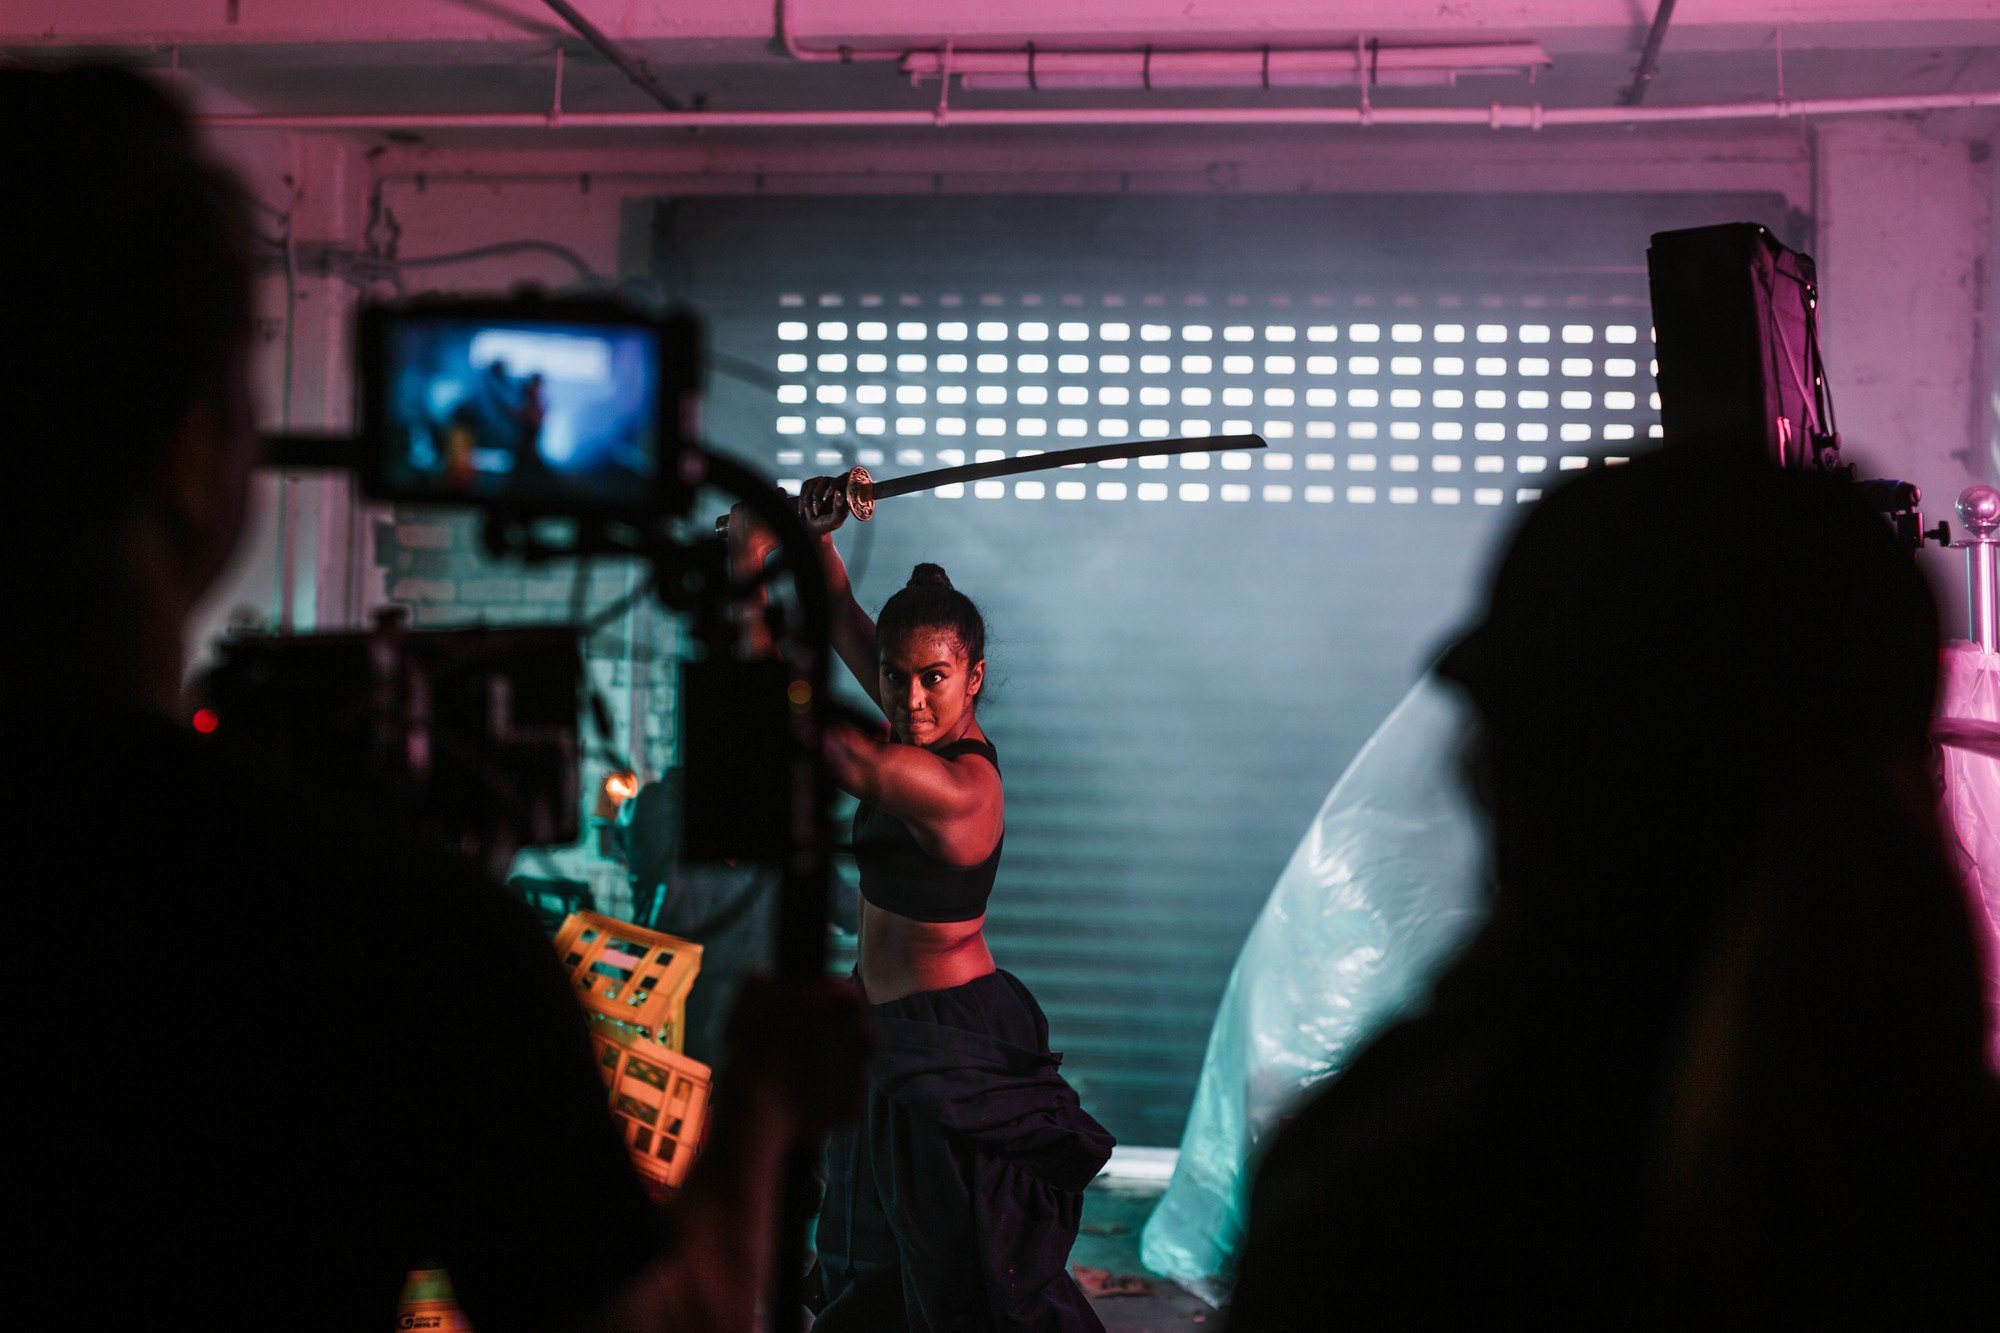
[859, 492]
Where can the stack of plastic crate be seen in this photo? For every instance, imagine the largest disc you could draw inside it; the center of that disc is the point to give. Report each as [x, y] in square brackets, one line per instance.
[428, 1303]
[634, 985]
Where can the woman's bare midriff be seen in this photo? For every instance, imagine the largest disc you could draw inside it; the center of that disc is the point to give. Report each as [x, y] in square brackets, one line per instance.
[899, 956]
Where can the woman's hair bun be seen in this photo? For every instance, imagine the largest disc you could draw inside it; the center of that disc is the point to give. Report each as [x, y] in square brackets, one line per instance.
[929, 603]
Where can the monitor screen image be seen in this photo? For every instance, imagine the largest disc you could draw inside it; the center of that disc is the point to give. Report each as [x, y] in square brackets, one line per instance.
[534, 413]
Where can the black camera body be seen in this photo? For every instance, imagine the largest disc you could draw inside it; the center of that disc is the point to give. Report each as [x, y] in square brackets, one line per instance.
[584, 410]
[527, 408]
[472, 733]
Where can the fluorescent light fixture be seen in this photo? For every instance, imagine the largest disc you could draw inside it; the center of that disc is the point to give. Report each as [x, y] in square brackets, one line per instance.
[1323, 67]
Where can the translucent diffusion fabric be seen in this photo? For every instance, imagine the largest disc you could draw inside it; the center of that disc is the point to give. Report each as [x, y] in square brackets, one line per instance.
[1386, 883]
[1970, 689]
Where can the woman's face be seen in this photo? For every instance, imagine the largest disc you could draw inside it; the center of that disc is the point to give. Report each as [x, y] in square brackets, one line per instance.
[927, 686]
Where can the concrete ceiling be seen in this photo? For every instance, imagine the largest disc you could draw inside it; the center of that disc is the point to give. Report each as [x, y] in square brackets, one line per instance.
[483, 56]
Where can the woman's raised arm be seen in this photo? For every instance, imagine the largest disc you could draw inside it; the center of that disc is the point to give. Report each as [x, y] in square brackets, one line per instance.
[824, 506]
[952, 807]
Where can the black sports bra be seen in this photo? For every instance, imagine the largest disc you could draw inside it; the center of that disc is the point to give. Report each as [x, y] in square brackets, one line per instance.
[899, 876]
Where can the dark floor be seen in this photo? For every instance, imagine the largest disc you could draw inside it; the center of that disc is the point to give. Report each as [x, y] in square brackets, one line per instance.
[1114, 1211]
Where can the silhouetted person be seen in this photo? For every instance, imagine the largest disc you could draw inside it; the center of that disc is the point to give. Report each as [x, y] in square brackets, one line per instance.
[1717, 1058]
[266, 1051]
[534, 410]
[504, 414]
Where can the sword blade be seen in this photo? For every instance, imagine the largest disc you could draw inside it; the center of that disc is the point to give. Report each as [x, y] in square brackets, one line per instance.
[1093, 453]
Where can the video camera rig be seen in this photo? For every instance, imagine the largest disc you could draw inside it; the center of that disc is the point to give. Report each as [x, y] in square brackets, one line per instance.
[573, 427]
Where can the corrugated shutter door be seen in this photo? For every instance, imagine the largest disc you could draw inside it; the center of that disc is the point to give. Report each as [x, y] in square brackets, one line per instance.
[1184, 654]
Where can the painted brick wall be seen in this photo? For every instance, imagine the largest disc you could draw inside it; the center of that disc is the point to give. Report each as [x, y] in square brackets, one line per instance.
[433, 563]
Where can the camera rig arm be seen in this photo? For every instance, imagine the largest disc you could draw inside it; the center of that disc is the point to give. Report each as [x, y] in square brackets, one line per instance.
[806, 877]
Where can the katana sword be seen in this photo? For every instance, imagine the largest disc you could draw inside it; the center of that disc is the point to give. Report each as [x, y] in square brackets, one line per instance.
[862, 490]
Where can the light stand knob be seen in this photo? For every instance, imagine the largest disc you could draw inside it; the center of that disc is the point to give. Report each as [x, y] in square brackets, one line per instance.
[1979, 511]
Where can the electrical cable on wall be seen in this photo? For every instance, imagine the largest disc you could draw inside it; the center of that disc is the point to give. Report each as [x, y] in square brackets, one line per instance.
[282, 593]
[363, 270]
[562, 252]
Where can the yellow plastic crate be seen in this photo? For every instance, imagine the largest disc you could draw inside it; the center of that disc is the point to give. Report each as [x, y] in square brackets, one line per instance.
[659, 1098]
[428, 1303]
[629, 974]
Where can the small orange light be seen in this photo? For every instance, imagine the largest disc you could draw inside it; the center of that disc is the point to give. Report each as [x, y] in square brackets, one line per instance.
[205, 721]
[800, 693]
[618, 787]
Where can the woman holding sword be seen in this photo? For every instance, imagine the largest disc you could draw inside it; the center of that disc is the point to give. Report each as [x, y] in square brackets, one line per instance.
[954, 1201]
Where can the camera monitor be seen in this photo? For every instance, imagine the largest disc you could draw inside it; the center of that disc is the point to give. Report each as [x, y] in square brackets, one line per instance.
[535, 407]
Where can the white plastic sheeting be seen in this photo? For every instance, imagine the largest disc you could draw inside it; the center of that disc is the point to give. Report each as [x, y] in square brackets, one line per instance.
[1970, 689]
[1386, 884]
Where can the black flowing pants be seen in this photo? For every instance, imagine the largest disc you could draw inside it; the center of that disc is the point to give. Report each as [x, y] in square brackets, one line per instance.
[951, 1206]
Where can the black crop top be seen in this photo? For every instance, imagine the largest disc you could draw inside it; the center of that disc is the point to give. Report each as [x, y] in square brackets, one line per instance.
[899, 876]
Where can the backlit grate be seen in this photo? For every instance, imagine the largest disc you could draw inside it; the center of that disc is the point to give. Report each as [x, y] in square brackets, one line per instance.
[1521, 393]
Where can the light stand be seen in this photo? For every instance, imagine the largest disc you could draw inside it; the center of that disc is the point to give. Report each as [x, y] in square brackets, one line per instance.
[1979, 513]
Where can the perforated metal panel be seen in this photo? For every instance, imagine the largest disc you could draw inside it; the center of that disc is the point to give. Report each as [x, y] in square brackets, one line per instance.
[1440, 410]
[1185, 653]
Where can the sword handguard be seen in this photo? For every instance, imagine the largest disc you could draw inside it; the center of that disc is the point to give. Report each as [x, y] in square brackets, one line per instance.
[861, 494]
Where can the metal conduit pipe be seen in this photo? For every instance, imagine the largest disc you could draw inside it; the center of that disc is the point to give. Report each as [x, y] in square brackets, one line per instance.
[1269, 67]
[1497, 116]
[1188, 67]
[1649, 60]
[630, 66]
[843, 55]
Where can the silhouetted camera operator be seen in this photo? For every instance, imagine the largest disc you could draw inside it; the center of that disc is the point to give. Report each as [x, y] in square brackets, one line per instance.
[1718, 1057]
[268, 1050]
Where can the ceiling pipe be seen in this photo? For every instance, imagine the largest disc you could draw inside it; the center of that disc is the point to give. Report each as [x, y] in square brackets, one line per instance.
[1497, 116]
[1266, 67]
[841, 55]
[1032, 69]
[1649, 60]
[631, 67]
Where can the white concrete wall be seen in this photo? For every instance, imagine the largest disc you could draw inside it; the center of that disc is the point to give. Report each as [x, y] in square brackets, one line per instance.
[1990, 322]
[306, 524]
[1905, 231]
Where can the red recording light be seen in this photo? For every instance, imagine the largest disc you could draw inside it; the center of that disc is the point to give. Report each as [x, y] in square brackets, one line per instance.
[205, 720]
